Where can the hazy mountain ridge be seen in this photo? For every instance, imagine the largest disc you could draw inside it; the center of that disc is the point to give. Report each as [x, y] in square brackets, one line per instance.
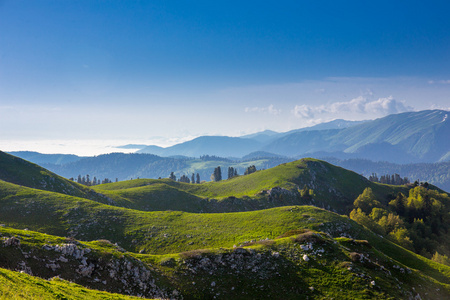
[435, 173]
[212, 145]
[411, 137]
[40, 158]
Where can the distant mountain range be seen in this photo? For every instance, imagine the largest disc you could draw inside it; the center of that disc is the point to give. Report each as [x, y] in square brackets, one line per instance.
[414, 144]
[409, 137]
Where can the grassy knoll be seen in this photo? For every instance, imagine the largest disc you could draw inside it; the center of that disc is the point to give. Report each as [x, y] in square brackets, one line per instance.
[21, 172]
[334, 188]
[300, 264]
[152, 232]
[173, 232]
[15, 285]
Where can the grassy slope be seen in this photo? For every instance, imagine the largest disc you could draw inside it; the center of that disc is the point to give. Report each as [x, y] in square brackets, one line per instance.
[16, 285]
[154, 232]
[167, 233]
[334, 187]
[172, 232]
[22, 172]
[265, 269]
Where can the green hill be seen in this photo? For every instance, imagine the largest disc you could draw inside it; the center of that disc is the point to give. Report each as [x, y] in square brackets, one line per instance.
[17, 285]
[146, 245]
[301, 264]
[334, 188]
[21, 172]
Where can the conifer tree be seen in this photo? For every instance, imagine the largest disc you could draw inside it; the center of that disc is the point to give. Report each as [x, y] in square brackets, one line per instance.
[231, 172]
[217, 174]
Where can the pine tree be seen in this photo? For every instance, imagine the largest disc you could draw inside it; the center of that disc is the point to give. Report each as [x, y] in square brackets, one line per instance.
[217, 174]
[198, 178]
[231, 172]
[193, 178]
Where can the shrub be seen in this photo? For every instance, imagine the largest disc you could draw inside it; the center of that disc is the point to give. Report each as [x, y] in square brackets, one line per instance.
[194, 253]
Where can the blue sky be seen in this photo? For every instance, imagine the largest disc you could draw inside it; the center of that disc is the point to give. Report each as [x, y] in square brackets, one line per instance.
[167, 71]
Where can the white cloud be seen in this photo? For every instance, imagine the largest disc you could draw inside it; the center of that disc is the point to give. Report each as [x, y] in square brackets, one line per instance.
[434, 106]
[270, 110]
[359, 105]
[439, 81]
[307, 111]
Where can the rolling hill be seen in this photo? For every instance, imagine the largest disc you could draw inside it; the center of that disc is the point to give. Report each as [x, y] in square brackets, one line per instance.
[21, 172]
[297, 251]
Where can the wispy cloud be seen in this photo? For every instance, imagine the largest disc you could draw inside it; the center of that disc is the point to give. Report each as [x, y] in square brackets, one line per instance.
[270, 110]
[439, 81]
[440, 107]
[359, 105]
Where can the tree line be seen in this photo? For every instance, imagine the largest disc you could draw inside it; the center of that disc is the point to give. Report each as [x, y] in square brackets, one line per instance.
[393, 179]
[183, 178]
[86, 180]
[215, 176]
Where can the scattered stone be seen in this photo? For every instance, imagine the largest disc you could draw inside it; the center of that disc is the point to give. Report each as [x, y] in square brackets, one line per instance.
[12, 241]
[53, 266]
[240, 251]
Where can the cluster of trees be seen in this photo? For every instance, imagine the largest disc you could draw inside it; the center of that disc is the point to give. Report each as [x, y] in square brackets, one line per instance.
[251, 169]
[394, 179]
[183, 178]
[419, 221]
[232, 172]
[86, 180]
